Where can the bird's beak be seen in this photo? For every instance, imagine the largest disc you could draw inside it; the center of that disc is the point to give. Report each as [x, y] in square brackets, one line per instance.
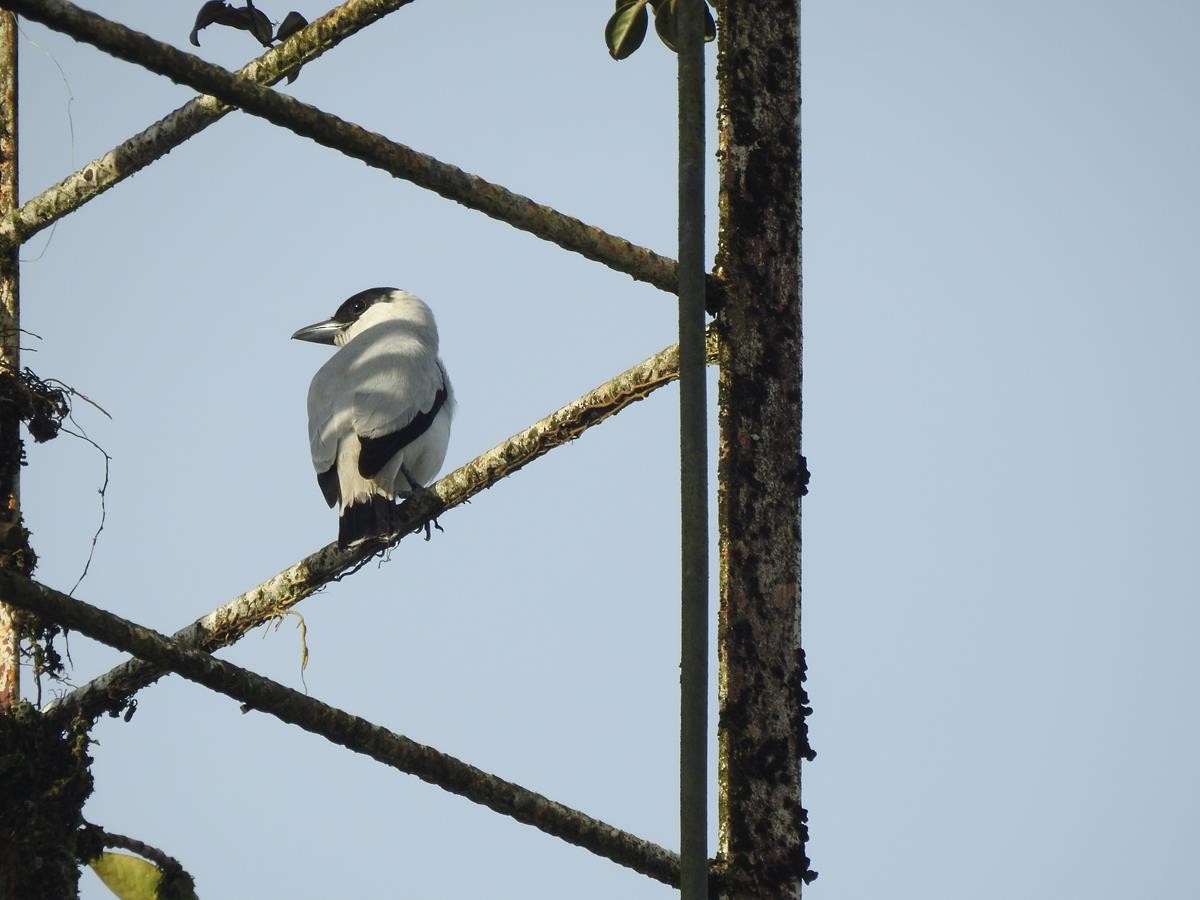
[320, 333]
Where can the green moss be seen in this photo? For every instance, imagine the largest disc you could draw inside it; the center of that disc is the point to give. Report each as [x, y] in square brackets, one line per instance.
[44, 781]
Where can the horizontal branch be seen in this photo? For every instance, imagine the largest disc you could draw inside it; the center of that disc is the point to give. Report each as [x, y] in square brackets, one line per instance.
[271, 599]
[346, 730]
[353, 140]
[190, 119]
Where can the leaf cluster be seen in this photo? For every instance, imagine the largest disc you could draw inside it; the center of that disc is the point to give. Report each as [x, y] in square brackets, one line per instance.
[628, 26]
[42, 405]
[247, 18]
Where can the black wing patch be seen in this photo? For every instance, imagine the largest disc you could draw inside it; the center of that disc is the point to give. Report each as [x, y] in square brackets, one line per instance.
[328, 481]
[374, 453]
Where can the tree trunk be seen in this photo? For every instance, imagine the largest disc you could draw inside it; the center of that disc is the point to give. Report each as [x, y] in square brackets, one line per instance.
[762, 733]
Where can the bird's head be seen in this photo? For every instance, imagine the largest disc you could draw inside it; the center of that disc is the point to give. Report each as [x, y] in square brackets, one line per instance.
[364, 309]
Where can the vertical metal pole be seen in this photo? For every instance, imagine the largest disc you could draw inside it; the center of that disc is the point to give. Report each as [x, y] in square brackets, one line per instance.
[10, 343]
[693, 445]
[762, 732]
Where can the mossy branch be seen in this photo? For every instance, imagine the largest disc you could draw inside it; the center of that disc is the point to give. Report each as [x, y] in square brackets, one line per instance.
[159, 139]
[346, 730]
[370, 147]
[227, 624]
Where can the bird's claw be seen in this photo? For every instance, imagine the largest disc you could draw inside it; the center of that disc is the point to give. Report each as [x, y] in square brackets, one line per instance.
[428, 526]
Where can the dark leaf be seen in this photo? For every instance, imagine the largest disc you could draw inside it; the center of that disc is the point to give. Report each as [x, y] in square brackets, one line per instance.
[627, 28]
[210, 12]
[291, 23]
[664, 23]
[246, 18]
[258, 24]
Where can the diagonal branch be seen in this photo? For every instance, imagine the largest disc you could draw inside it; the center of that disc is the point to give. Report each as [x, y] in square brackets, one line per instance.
[346, 730]
[190, 119]
[353, 140]
[227, 624]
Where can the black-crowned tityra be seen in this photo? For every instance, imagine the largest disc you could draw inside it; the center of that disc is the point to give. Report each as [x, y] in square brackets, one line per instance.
[379, 410]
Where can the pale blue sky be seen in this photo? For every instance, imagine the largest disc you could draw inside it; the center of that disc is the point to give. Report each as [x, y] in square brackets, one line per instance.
[1001, 306]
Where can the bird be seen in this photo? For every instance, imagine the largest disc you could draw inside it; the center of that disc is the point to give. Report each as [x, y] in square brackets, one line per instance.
[379, 409]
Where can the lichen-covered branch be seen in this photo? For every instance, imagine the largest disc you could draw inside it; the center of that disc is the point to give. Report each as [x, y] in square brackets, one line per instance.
[193, 117]
[347, 730]
[10, 357]
[226, 624]
[372, 148]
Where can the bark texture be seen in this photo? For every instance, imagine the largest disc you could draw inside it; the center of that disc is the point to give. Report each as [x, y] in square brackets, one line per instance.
[372, 148]
[167, 133]
[44, 781]
[10, 353]
[44, 775]
[693, 461]
[352, 732]
[225, 625]
[762, 733]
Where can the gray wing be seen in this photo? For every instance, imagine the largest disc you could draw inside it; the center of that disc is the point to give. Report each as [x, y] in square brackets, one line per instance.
[385, 386]
[396, 377]
[330, 420]
[374, 453]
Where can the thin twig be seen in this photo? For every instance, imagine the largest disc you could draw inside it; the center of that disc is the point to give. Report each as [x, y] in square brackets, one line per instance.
[70, 128]
[347, 730]
[73, 392]
[303, 627]
[103, 506]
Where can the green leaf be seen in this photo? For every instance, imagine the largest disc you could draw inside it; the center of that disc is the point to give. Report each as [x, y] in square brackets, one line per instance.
[664, 23]
[129, 877]
[627, 28]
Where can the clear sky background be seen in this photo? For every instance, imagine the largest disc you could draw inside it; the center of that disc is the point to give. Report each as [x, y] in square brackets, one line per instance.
[1002, 303]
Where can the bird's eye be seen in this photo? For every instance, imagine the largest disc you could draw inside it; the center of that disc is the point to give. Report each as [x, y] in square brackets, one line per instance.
[359, 306]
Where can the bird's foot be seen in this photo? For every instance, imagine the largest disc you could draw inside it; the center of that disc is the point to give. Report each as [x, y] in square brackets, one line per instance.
[418, 491]
[428, 526]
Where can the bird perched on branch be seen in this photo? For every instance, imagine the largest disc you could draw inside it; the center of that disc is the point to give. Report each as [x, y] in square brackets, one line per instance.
[379, 410]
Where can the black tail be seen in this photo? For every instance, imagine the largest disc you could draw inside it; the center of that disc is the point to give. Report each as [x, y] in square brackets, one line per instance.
[363, 518]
